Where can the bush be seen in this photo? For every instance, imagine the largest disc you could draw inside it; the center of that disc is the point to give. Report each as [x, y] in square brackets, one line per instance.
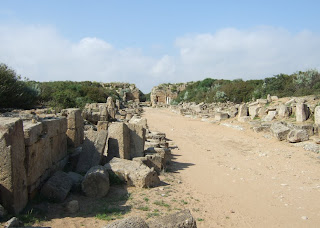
[15, 93]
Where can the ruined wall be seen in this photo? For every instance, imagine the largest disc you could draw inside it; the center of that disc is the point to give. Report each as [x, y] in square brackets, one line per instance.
[127, 91]
[165, 93]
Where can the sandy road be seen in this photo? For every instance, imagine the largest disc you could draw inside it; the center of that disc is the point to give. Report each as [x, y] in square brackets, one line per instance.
[241, 178]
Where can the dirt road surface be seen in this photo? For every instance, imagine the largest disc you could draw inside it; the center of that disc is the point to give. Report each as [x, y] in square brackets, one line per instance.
[242, 178]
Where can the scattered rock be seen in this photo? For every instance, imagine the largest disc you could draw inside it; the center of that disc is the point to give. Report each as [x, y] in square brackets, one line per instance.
[304, 217]
[297, 136]
[134, 173]
[14, 222]
[181, 219]
[279, 130]
[76, 181]
[131, 222]
[96, 182]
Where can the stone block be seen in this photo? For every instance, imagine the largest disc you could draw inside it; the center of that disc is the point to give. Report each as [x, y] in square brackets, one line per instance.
[297, 136]
[271, 115]
[13, 179]
[57, 187]
[137, 140]
[132, 222]
[280, 131]
[284, 111]
[254, 111]
[221, 116]
[54, 126]
[134, 173]
[118, 141]
[302, 112]
[32, 132]
[92, 150]
[317, 115]
[102, 125]
[243, 111]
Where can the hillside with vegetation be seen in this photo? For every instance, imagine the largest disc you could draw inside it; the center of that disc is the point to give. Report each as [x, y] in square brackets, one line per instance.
[282, 85]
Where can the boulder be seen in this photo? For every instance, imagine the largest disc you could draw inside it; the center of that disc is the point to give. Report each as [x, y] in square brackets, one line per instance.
[76, 181]
[96, 182]
[181, 219]
[57, 187]
[13, 178]
[297, 136]
[132, 222]
[72, 206]
[134, 173]
[153, 161]
[279, 130]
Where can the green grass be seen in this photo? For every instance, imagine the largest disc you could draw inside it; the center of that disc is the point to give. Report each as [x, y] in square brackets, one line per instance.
[161, 203]
[153, 214]
[145, 208]
[200, 219]
[31, 217]
[146, 199]
[184, 202]
[111, 214]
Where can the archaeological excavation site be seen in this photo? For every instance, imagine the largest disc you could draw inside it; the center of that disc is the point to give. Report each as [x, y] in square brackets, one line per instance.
[162, 160]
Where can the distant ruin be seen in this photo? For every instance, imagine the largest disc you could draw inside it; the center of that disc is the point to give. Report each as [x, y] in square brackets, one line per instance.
[164, 94]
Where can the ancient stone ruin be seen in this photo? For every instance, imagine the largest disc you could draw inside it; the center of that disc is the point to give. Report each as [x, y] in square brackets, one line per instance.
[36, 146]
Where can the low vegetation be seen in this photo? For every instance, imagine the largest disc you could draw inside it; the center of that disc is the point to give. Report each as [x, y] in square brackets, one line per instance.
[282, 85]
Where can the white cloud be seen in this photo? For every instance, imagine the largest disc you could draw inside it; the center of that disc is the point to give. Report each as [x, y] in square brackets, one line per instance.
[41, 53]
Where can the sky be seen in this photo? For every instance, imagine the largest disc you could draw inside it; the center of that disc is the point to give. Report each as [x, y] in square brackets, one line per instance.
[158, 41]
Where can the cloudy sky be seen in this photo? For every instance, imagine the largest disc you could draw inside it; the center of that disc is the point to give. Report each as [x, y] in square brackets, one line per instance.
[151, 42]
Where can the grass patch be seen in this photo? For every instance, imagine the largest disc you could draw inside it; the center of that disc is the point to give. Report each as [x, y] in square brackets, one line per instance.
[153, 214]
[184, 202]
[31, 217]
[111, 214]
[145, 208]
[200, 219]
[146, 199]
[161, 203]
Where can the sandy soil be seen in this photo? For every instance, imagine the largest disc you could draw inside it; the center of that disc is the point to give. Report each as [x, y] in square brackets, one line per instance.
[225, 176]
[242, 179]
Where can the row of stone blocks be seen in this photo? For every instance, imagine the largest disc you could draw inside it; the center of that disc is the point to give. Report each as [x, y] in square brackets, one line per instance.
[31, 151]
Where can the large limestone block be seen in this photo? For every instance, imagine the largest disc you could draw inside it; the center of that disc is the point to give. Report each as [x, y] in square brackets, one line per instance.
[243, 111]
[58, 147]
[284, 111]
[134, 173]
[13, 180]
[254, 111]
[102, 125]
[92, 150]
[57, 187]
[96, 182]
[280, 131]
[302, 112]
[75, 126]
[297, 136]
[75, 137]
[132, 222]
[221, 116]
[317, 115]
[271, 115]
[181, 219]
[32, 132]
[137, 140]
[155, 161]
[38, 159]
[118, 141]
[54, 126]
[111, 108]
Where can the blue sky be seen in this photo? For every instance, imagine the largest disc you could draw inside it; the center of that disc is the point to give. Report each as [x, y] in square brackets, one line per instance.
[151, 42]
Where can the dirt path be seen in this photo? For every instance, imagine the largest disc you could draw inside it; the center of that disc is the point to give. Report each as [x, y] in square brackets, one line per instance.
[241, 178]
